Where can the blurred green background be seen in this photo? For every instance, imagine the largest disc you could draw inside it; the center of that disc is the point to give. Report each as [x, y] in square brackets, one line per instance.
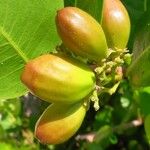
[119, 124]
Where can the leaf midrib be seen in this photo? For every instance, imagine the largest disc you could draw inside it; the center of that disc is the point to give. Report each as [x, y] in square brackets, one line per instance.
[13, 44]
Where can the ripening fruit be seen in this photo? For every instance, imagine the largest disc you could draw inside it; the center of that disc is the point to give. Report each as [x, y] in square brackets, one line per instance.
[58, 78]
[58, 123]
[116, 24]
[81, 33]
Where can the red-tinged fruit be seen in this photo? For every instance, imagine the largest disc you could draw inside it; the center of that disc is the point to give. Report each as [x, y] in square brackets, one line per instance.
[58, 78]
[116, 24]
[58, 123]
[81, 33]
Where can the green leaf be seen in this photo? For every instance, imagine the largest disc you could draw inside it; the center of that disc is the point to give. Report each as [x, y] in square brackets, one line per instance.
[144, 99]
[139, 72]
[103, 117]
[93, 146]
[27, 30]
[93, 7]
[113, 139]
[135, 10]
[103, 133]
[69, 3]
[147, 4]
[5, 146]
[142, 40]
[147, 127]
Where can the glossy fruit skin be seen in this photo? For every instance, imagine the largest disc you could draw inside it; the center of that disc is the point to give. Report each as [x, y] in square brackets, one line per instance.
[81, 33]
[116, 24]
[58, 78]
[58, 123]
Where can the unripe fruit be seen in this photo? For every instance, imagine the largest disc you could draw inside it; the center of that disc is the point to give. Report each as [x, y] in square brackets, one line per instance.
[81, 33]
[116, 24]
[58, 123]
[58, 78]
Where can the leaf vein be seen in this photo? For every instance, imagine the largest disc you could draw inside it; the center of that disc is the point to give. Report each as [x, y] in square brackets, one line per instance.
[13, 44]
[11, 73]
[6, 59]
[4, 44]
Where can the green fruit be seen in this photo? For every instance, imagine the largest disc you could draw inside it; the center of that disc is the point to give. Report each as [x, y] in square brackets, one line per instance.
[81, 33]
[58, 78]
[58, 123]
[116, 24]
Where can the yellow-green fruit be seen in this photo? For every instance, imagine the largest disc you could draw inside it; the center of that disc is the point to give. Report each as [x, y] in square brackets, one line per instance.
[116, 24]
[58, 123]
[81, 33]
[58, 78]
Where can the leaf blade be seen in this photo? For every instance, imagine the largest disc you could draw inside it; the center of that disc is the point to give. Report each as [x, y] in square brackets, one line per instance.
[92, 7]
[147, 126]
[138, 71]
[27, 30]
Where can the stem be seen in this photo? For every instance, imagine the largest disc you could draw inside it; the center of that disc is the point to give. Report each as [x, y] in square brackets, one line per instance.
[122, 127]
[102, 12]
[75, 3]
[94, 137]
[145, 5]
[88, 137]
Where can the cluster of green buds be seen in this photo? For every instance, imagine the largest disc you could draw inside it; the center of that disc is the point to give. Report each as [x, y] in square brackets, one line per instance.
[109, 73]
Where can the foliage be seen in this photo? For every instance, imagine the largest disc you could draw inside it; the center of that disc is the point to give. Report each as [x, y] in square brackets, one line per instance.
[24, 34]
[27, 30]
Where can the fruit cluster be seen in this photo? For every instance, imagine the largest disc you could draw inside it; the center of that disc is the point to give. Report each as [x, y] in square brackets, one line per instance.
[67, 81]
